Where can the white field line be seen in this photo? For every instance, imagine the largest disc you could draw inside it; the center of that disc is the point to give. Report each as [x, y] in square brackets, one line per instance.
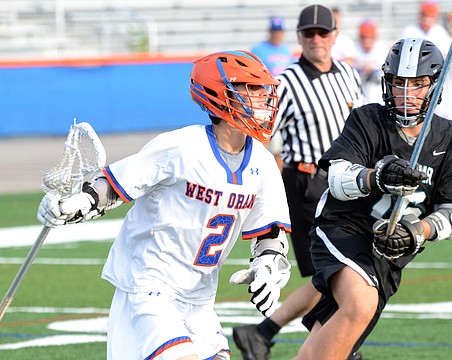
[241, 262]
[88, 231]
[55, 340]
[53, 261]
[240, 308]
[103, 230]
[94, 329]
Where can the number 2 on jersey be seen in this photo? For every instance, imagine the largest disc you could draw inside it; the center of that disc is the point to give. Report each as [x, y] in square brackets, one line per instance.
[210, 250]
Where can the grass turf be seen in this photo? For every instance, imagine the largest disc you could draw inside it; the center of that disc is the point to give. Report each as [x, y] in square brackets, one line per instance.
[403, 336]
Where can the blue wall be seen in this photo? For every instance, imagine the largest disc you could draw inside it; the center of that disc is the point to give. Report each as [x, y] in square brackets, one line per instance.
[43, 100]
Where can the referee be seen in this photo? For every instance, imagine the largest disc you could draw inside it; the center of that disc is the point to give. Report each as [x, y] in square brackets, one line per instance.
[317, 94]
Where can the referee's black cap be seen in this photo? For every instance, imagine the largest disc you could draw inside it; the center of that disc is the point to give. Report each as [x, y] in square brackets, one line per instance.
[318, 17]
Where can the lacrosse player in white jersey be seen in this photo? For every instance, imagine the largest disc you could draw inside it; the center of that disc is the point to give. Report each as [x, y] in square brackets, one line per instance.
[196, 191]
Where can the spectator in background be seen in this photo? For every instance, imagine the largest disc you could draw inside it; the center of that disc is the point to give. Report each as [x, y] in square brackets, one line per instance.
[370, 56]
[344, 48]
[448, 21]
[428, 27]
[273, 52]
[277, 56]
[444, 108]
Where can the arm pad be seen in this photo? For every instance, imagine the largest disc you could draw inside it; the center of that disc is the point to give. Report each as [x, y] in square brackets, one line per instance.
[440, 224]
[344, 180]
[276, 241]
[273, 243]
[107, 198]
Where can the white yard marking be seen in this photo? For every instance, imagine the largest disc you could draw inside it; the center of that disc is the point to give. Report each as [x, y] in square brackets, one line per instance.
[89, 231]
[56, 340]
[104, 230]
[94, 330]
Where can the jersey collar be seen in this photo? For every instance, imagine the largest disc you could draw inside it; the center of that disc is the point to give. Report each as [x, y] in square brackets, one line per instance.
[311, 71]
[232, 177]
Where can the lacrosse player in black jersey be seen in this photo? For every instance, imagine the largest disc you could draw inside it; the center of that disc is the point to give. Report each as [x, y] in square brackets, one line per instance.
[358, 265]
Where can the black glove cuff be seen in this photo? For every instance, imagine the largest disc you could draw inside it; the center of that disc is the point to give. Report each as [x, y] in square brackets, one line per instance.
[375, 180]
[416, 230]
[273, 234]
[87, 188]
[361, 180]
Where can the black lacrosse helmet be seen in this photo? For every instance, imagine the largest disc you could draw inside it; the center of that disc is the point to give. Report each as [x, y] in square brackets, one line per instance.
[410, 58]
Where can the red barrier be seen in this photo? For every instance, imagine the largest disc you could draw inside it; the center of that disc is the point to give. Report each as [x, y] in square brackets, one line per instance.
[117, 59]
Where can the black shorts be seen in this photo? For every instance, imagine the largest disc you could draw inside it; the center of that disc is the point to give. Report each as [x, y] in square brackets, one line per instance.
[333, 247]
[303, 193]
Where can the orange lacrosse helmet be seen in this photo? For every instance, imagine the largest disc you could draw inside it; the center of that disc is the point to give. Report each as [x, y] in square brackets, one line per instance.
[213, 83]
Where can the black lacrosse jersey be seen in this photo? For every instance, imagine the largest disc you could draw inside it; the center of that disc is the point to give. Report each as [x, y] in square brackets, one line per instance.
[369, 134]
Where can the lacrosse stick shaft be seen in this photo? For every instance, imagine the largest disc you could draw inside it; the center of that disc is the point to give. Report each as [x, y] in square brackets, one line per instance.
[9, 296]
[397, 210]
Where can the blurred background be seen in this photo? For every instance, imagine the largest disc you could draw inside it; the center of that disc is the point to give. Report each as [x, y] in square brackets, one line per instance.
[68, 28]
[124, 65]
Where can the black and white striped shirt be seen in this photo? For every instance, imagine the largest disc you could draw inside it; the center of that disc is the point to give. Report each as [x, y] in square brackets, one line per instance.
[313, 107]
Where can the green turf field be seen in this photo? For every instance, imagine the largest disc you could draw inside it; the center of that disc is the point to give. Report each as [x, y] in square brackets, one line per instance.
[60, 310]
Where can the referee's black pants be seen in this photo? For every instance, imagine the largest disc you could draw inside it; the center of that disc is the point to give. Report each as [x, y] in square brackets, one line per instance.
[303, 193]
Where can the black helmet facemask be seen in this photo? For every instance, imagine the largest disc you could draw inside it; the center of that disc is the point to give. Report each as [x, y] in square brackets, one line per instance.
[410, 58]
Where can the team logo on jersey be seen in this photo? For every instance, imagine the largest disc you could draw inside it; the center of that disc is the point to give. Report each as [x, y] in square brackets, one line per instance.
[437, 153]
[429, 171]
[254, 171]
[241, 201]
[203, 193]
[211, 196]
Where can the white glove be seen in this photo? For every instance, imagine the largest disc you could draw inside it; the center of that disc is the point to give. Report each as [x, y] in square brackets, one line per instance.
[55, 211]
[267, 275]
[49, 213]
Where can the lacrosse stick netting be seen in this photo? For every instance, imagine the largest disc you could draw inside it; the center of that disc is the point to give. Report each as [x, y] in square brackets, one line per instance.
[83, 156]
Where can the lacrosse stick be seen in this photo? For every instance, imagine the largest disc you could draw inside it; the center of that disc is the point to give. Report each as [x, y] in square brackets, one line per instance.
[396, 211]
[83, 156]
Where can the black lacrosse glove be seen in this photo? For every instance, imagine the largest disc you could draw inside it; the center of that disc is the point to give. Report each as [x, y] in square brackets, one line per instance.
[407, 239]
[393, 175]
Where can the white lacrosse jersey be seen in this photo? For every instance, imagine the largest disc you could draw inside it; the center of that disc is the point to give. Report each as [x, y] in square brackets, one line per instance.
[189, 211]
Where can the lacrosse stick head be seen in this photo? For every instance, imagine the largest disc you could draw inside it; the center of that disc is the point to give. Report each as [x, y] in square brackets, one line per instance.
[83, 155]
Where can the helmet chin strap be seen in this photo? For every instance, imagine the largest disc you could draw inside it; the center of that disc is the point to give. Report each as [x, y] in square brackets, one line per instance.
[262, 115]
[409, 121]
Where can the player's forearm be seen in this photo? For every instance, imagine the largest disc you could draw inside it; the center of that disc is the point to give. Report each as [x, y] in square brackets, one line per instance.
[439, 223]
[108, 198]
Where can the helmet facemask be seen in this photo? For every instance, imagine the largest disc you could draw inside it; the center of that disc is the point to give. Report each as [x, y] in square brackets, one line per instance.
[252, 108]
[407, 115]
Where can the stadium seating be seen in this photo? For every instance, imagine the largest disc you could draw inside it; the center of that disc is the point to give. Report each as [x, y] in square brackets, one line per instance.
[69, 28]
